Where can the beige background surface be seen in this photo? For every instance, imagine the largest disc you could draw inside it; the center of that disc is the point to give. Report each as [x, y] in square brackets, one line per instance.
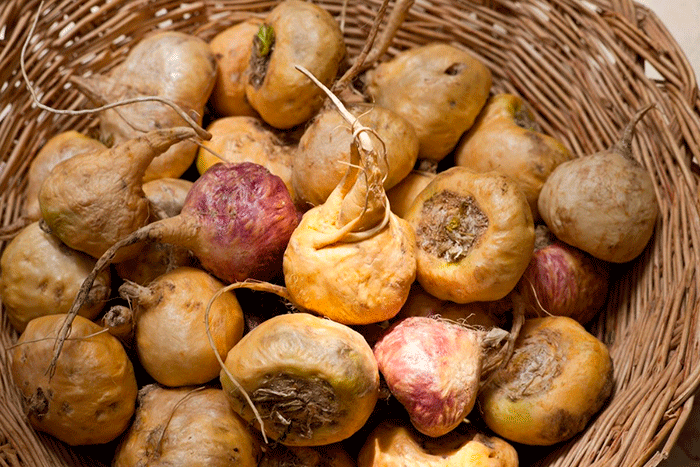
[682, 19]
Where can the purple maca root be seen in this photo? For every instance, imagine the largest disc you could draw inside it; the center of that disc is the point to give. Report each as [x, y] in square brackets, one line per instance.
[249, 216]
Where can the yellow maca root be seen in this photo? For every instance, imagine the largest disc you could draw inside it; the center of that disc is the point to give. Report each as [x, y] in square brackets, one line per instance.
[171, 336]
[294, 32]
[475, 235]
[351, 259]
[557, 379]
[41, 276]
[438, 87]
[232, 48]
[90, 397]
[396, 444]
[505, 137]
[313, 381]
[352, 283]
[402, 194]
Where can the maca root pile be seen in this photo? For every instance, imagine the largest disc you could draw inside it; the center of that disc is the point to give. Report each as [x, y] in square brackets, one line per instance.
[378, 263]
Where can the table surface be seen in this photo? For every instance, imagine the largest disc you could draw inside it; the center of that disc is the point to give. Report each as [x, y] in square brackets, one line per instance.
[682, 18]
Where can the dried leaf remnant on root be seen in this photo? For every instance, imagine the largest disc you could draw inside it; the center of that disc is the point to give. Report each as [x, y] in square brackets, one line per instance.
[263, 44]
[297, 405]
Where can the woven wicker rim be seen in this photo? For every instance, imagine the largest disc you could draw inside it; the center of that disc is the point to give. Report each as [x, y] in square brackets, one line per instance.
[584, 66]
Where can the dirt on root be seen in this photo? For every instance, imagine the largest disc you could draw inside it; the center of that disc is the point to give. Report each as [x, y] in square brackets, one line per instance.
[295, 405]
[450, 225]
[535, 364]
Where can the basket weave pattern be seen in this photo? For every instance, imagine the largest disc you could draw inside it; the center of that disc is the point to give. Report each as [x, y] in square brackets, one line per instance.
[584, 66]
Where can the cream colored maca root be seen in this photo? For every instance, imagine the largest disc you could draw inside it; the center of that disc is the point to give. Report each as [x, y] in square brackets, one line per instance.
[324, 148]
[603, 203]
[438, 87]
[173, 65]
[94, 199]
[186, 426]
[166, 195]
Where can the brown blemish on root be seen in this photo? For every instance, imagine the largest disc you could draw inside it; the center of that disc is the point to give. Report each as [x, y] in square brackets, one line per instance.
[450, 225]
[523, 118]
[455, 69]
[536, 363]
[59, 291]
[293, 405]
[282, 456]
[562, 425]
[38, 404]
[66, 408]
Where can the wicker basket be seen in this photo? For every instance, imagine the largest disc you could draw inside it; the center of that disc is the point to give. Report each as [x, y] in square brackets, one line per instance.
[585, 66]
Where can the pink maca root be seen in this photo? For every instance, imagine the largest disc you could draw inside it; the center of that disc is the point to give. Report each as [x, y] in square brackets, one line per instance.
[433, 369]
